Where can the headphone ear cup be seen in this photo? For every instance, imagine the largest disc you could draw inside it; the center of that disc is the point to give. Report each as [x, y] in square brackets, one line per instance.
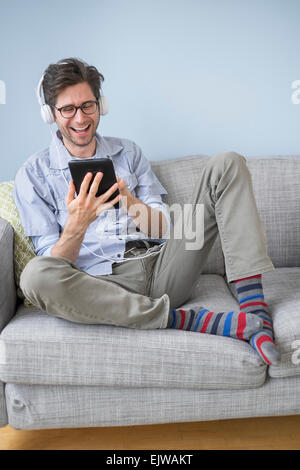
[47, 114]
[104, 107]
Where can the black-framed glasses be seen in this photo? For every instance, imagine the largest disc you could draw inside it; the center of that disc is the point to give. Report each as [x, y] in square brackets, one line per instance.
[69, 111]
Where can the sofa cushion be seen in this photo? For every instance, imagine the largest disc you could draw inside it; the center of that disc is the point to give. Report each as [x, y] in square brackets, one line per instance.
[23, 246]
[282, 293]
[7, 281]
[39, 349]
[61, 406]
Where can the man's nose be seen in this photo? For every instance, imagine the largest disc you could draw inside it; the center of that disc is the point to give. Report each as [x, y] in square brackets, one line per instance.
[79, 116]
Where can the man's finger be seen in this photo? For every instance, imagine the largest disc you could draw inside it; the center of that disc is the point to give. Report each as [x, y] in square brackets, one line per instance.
[95, 184]
[85, 184]
[109, 192]
[107, 205]
[115, 200]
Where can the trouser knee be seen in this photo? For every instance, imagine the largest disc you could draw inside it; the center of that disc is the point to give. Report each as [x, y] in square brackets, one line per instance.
[228, 158]
[229, 163]
[32, 278]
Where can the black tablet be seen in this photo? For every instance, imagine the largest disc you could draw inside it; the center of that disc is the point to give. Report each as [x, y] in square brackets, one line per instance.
[79, 168]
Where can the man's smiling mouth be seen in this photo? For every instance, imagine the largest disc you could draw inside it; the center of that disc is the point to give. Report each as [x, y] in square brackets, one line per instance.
[81, 130]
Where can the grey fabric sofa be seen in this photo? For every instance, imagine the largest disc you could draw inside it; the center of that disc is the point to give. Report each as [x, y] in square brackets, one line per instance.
[56, 374]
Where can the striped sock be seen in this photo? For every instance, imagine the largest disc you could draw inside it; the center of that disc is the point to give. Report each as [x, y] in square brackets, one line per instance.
[239, 325]
[249, 292]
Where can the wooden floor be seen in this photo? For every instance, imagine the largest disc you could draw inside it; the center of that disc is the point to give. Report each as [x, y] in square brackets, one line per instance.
[280, 433]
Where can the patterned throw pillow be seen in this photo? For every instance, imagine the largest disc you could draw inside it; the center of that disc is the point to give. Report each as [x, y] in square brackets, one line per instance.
[23, 246]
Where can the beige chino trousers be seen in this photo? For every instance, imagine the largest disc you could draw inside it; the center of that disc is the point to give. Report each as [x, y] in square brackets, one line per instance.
[140, 292]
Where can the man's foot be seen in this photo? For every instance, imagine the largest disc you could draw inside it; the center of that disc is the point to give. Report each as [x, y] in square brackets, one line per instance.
[249, 292]
[264, 345]
[239, 325]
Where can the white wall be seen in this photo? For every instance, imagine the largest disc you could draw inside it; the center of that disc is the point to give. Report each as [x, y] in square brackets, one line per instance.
[182, 76]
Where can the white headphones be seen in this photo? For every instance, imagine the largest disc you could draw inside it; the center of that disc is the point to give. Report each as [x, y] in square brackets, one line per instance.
[46, 111]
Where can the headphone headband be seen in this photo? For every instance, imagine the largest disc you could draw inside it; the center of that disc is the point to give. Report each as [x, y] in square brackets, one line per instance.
[46, 111]
[39, 91]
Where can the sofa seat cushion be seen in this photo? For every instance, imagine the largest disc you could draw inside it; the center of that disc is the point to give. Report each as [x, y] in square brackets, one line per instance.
[36, 348]
[282, 293]
[62, 406]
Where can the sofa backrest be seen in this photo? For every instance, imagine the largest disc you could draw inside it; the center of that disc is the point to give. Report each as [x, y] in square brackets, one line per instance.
[276, 185]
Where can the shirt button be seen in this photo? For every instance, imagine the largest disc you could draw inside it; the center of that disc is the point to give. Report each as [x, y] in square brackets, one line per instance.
[118, 255]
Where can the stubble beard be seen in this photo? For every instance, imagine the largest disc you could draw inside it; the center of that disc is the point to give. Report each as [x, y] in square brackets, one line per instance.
[69, 138]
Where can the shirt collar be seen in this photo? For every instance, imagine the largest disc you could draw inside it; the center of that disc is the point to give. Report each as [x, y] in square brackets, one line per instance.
[59, 155]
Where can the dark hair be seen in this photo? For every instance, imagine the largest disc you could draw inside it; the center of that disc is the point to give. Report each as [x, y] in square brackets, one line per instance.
[69, 72]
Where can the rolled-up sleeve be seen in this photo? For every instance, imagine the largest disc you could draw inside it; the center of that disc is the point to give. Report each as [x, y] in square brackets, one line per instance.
[44, 243]
[148, 183]
[149, 189]
[32, 198]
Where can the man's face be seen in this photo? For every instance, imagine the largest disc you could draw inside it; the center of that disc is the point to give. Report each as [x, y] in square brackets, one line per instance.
[80, 130]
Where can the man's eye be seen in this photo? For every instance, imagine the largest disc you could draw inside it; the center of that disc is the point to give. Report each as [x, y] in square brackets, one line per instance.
[88, 105]
[68, 109]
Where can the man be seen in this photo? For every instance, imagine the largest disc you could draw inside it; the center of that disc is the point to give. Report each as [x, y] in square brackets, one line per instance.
[90, 270]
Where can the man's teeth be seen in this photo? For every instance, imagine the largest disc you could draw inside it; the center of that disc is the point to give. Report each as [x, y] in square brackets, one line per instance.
[81, 128]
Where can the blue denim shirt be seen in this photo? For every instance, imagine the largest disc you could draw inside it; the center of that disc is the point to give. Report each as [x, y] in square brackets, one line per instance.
[40, 191]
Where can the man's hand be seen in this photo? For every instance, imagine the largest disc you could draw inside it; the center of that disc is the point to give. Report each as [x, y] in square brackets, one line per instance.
[86, 207]
[151, 222]
[124, 191]
[83, 210]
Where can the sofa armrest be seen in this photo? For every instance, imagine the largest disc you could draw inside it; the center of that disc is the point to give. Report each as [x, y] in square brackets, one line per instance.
[8, 295]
